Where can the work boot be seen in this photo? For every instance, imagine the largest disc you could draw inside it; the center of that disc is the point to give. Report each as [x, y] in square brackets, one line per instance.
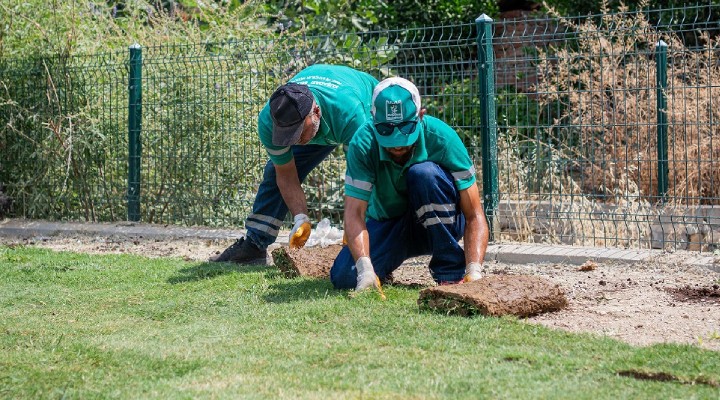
[242, 252]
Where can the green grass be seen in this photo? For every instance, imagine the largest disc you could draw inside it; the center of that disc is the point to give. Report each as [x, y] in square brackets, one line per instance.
[89, 326]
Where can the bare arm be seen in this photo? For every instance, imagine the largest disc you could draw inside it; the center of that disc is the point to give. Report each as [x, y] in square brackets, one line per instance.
[476, 226]
[290, 189]
[359, 243]
[355, 228]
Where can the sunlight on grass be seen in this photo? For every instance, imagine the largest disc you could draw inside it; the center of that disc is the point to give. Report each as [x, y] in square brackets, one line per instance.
[124, 326]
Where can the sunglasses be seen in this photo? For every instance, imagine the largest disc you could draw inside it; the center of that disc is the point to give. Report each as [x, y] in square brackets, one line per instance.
[387, 128]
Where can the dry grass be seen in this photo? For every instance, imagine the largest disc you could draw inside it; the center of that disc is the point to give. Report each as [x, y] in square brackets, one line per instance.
[595, 182]
[572, 217]
[607, 84]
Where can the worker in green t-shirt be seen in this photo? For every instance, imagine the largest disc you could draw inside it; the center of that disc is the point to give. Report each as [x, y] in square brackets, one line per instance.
[410, 190]
[303, 122]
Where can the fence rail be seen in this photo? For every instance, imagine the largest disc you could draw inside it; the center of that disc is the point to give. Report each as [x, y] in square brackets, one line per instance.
[596, 131]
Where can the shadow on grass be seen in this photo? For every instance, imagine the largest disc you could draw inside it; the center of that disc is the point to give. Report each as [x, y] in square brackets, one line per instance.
[299, 289]
[208, 270]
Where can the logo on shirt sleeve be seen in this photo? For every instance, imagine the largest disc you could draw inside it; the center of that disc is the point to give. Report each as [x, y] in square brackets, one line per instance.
[393, 110]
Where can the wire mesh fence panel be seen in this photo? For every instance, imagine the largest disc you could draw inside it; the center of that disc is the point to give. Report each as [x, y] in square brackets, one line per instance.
[63, 133]
[201, 157]
[580, 128]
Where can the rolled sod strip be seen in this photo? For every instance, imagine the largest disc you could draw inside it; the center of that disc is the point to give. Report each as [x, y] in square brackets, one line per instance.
[495, 295]
[313, 262]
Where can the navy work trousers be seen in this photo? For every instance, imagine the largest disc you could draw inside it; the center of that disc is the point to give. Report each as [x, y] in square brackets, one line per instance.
[432, 225]
[269, 208]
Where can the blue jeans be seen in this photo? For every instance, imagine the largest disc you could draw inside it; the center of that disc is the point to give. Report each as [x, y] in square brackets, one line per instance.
[433, 225]
[269, 208]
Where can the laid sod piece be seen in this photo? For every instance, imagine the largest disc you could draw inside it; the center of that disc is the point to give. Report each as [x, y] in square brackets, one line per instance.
[495, 295]
[312, 262]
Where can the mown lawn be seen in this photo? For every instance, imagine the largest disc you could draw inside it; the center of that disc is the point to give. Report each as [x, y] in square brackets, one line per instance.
[88, 326]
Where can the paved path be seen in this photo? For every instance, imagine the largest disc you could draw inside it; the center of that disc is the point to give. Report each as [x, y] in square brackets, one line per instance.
[504, 252]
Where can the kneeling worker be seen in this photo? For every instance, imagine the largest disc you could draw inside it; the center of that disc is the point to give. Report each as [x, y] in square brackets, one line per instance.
[410, 190]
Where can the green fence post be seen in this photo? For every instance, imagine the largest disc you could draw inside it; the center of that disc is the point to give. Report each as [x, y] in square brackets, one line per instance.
[488, 124]
[134, 128]
[662, 128]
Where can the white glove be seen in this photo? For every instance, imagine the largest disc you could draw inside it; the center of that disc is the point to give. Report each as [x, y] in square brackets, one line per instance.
[300, 231]
[366, 277]
[472, 272]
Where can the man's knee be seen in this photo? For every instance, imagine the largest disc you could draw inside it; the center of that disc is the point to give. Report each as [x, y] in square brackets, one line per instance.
[343, 278]
[423, 172]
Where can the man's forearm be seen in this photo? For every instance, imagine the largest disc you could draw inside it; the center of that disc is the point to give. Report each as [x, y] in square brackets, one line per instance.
[359, 242]
[477, 232]
[475, 239]
[355, 227]
[289, 185]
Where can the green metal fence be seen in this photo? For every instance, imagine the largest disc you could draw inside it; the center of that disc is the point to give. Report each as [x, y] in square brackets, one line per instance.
[63, 136]
[607, 129]
[590, 131]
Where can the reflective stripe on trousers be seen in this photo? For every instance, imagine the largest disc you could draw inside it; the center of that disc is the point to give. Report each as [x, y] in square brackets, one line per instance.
[432, 225]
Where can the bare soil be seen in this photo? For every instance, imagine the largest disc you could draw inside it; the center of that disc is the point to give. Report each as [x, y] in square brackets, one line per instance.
[641, 303]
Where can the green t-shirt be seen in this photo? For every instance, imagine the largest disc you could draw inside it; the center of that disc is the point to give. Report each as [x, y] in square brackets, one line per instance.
[372, 176]
[344, 96]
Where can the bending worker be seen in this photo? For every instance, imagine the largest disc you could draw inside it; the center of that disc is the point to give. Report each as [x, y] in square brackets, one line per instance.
[302, 123]
[410, 190]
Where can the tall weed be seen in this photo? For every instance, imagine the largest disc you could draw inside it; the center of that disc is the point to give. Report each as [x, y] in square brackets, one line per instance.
[606, 78]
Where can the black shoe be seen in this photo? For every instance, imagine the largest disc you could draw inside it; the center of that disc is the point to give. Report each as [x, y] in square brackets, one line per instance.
[242, 252]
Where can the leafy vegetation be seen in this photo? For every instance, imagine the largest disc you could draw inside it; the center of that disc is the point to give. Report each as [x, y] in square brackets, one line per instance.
[324, 17]
[63, 107]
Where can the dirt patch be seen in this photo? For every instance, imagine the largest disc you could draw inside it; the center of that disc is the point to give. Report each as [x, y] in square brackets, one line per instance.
[634, 303]
[496, 295]
[703, 295]
[314, 262]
